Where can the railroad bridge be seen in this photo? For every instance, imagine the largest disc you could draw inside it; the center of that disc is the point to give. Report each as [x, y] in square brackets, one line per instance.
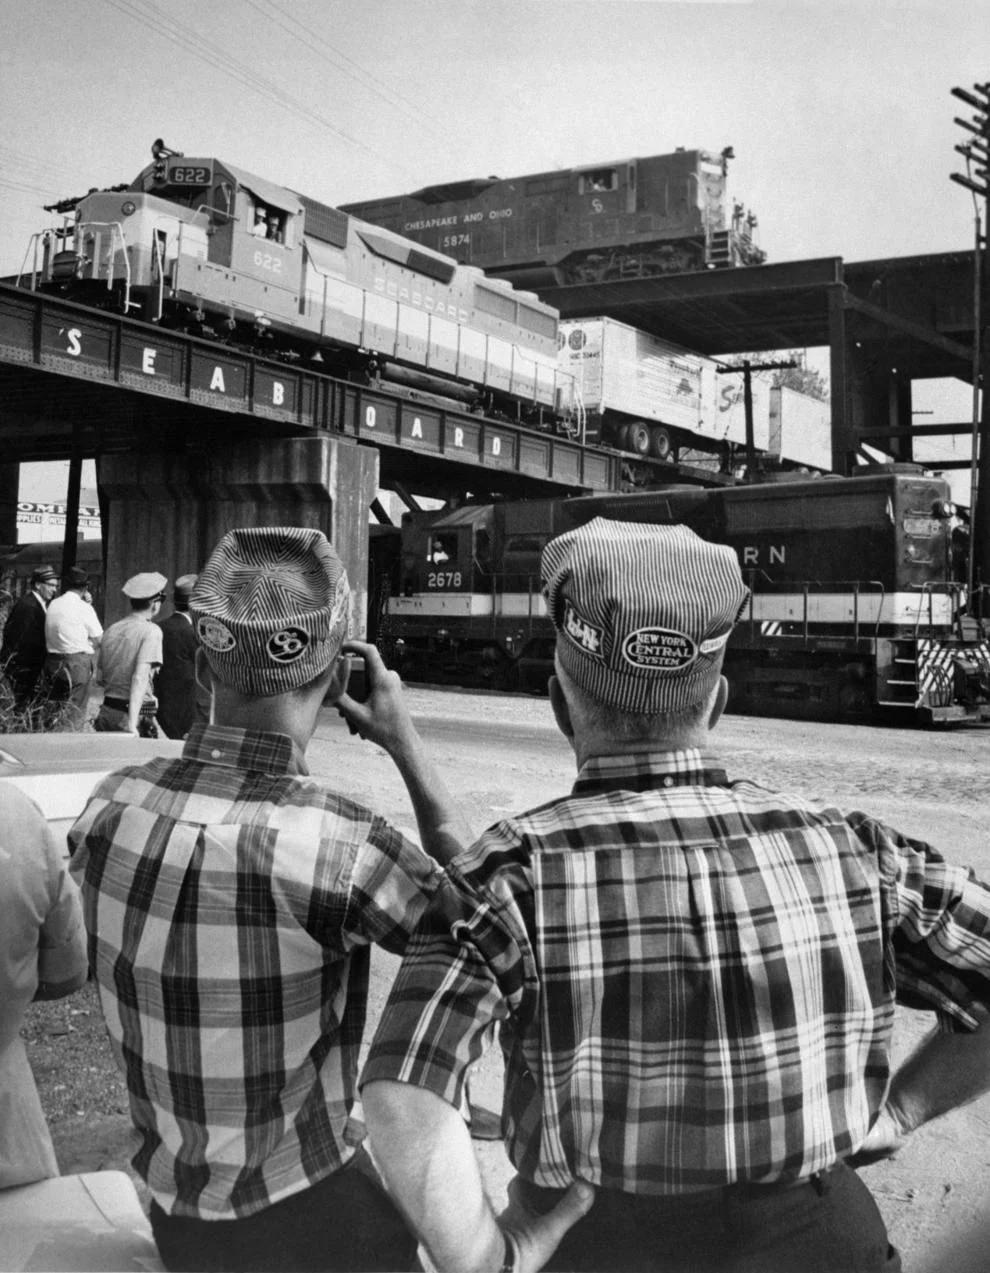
[192, 437]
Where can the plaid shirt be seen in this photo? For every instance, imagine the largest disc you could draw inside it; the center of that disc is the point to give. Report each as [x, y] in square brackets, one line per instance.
[230, 903]
[696, 980]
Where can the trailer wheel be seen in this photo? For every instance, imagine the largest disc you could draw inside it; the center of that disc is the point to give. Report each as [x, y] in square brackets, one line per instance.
[637, 438]
[661, 444]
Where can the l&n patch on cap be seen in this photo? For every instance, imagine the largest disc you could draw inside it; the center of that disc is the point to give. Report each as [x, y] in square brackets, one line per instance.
[642, 612]
[271, 608]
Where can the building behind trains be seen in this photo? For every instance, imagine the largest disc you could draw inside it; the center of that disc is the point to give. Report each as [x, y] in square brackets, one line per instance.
[632, 218]
[858, 600]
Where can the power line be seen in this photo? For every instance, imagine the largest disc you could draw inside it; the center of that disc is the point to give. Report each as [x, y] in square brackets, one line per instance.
[207, 51]
[350, 67]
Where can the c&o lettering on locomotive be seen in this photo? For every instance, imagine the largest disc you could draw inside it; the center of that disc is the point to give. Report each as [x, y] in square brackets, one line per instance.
[499, 214]
[429, 223]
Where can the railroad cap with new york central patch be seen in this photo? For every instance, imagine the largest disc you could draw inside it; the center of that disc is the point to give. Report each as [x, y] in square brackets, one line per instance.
[642, 612]
[271, 608]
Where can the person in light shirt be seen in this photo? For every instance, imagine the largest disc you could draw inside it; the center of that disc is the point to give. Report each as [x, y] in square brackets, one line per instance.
[72, 639]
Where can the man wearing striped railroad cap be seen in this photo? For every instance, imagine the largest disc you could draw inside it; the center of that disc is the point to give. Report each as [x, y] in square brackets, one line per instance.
[231, 902]
[696, 978]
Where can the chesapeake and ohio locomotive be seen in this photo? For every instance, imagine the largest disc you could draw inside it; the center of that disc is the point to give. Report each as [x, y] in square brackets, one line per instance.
[632, 218]
[202, 245]
[858, 603]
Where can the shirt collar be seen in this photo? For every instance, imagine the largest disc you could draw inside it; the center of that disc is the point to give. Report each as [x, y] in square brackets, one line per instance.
[244, 749]
[650, 770]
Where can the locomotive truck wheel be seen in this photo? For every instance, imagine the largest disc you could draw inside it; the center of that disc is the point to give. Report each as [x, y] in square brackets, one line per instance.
[637, 438]
[661, 444]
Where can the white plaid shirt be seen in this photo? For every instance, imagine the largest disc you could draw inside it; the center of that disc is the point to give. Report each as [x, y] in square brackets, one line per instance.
[231, 902]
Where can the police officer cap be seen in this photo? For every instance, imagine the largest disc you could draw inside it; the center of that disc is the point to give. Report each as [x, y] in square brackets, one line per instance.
[184, 585]
[145, 587]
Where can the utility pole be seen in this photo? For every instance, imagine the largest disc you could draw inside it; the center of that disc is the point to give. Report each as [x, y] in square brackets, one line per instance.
[976, 152]
[747, 368]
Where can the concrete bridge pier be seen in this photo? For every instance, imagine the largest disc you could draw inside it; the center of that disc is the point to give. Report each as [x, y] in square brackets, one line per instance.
[165, 510]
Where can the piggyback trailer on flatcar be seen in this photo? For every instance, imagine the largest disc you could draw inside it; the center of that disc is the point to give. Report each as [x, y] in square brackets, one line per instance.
[858, 602]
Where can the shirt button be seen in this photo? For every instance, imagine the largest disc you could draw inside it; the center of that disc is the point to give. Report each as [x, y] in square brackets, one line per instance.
[668, 781]
[216, 753]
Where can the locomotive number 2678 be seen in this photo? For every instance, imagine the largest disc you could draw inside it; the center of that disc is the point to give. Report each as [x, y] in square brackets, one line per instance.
[443, 579]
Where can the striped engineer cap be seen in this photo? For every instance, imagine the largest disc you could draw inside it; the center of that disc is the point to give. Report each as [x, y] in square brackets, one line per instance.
[271, 608]
[642, 612]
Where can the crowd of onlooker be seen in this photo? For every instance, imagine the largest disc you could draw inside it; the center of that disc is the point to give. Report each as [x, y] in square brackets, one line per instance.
[54, 650]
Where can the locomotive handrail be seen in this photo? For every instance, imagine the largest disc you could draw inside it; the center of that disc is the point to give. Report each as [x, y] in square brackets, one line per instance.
[160, 257]
[34, 242]
[115, 228]
[806, 588]
[929, 591]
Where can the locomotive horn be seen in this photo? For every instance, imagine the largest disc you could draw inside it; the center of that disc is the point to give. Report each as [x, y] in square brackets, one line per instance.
[160, 151]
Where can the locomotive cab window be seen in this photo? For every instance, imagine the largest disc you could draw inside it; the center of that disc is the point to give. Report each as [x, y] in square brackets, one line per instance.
[223, 202]
[269, 223]
[441, 548]
[599, 180]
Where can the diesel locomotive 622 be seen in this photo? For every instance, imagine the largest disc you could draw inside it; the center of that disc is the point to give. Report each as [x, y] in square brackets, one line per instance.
[858, 600]
[632, 218]
[199, 244]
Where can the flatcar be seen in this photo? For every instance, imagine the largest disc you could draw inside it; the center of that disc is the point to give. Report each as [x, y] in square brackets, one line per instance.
[200, 244]
[631, 218]
[858, 604]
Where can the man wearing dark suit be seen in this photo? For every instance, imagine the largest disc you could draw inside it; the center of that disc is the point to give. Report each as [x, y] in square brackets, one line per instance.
[22, 655]
[180, 702]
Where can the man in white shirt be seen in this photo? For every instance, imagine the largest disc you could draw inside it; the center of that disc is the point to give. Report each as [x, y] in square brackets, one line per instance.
[72, 638]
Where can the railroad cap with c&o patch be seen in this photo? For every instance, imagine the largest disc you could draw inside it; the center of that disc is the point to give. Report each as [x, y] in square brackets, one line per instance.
[642, 612]
[271, 608]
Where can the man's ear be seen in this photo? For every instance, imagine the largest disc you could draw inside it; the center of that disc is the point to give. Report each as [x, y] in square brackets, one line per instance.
[561, 711]
[718, 705]
[340, 673]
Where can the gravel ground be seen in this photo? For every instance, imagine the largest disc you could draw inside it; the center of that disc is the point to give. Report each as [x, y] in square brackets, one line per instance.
[499, 753]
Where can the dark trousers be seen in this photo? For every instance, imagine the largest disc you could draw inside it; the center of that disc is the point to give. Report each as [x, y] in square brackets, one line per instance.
[829, 1225]
[346, 1222]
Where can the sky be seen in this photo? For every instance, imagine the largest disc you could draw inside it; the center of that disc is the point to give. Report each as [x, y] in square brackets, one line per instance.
[840, 114]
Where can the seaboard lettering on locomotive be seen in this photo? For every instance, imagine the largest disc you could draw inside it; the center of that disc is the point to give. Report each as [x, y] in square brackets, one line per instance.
[858, 608]
[201, 245]
[632, 218]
